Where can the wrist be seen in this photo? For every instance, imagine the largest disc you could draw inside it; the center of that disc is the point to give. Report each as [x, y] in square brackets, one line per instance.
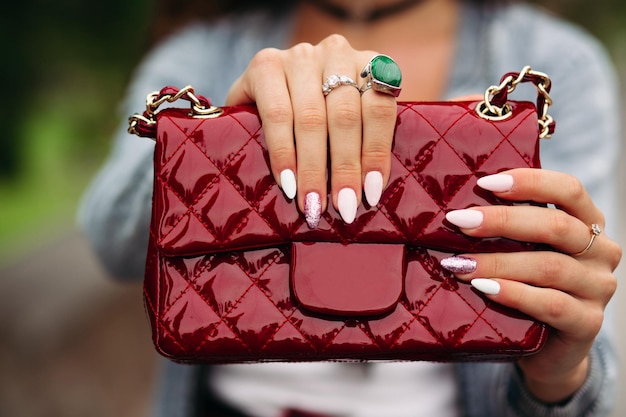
[558, 389]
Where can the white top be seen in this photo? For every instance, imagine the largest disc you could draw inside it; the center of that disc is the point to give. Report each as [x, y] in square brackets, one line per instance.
[399, 389]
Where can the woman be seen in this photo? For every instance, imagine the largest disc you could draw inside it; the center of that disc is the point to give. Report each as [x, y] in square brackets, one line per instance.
[446, 49]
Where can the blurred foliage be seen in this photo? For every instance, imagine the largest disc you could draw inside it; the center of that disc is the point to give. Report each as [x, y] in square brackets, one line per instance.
[65, 67]
[70, 57]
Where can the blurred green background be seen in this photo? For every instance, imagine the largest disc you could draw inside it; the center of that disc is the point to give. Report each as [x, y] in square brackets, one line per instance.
[65, 67]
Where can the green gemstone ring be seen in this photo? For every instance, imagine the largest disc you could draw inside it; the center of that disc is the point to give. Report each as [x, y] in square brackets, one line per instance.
[382, 74]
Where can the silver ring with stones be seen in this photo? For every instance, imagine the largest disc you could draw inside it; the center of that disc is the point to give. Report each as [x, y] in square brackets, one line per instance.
[382, 74]
[335, 81]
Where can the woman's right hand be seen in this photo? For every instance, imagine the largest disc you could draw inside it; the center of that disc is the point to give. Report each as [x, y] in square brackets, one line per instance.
[300, 122]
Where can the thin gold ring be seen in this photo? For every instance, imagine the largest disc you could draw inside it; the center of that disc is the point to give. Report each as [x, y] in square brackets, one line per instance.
[595, 232]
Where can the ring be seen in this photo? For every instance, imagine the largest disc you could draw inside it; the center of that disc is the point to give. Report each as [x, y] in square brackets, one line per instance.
[595, 232]
[335, 81]
[382, 74]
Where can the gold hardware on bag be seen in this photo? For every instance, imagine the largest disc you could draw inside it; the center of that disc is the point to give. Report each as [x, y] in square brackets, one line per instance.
[494, 107]
[156, 100]
[490, 111]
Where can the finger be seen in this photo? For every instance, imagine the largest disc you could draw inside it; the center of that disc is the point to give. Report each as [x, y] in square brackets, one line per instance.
[539, 269]
[469, 97]
[553, 227]
[239, 92]
[265, 84]
[344, 133]
[343, 106]
[573, 318]
[543, 186]
[310, 128]
[563, 190]
[379, 120]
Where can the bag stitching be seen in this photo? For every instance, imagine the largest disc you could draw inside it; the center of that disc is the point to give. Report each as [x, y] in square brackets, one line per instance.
[413, 170]
[479, 315]
[190, 207]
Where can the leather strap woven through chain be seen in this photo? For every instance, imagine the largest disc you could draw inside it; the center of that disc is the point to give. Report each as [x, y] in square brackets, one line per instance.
[495, 107]
[144, 125]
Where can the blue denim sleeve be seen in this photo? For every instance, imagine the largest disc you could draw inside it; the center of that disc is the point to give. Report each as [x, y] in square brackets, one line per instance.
[115, 210]
[586, 145]
[497, 389]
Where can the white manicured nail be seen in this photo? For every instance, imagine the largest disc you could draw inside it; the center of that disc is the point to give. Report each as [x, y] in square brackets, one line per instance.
[346, 200]
[486, 286]
[497, 182]
[373, 187]
[466, 219]
[288, 183]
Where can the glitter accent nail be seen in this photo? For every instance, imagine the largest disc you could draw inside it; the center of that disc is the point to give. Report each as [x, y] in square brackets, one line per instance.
[312, 209]
[459, 264]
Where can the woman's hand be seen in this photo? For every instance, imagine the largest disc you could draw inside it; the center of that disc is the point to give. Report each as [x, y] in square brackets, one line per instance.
[568, 292]
[286, 86]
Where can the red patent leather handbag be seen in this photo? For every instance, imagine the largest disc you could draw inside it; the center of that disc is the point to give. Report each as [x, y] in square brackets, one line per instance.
[234, 274]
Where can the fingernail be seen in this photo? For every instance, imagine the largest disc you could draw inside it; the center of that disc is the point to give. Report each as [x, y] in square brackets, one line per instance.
[497, 182]
[312, 209]
[373, 187]
[288, 183]
[346, 201]
[486, 286]
[465, 219]
[459, 264]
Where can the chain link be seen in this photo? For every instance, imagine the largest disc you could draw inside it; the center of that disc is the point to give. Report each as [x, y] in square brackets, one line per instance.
[157, 99]
[490, 111]
[486, 109]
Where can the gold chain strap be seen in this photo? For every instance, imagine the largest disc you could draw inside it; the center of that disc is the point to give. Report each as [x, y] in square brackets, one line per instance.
[158, 98]
[489, 110]
[493, 107]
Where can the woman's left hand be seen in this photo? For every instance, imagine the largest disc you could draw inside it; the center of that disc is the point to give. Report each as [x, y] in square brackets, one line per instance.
[567, 292]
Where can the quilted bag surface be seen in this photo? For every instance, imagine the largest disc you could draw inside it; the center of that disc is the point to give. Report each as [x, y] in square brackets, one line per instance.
[234, 274]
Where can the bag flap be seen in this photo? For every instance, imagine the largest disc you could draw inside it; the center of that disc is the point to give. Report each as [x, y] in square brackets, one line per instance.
[347, 280]
[214, 191]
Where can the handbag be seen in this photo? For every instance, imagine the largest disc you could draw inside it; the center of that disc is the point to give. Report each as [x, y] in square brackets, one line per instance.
[234, 274]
